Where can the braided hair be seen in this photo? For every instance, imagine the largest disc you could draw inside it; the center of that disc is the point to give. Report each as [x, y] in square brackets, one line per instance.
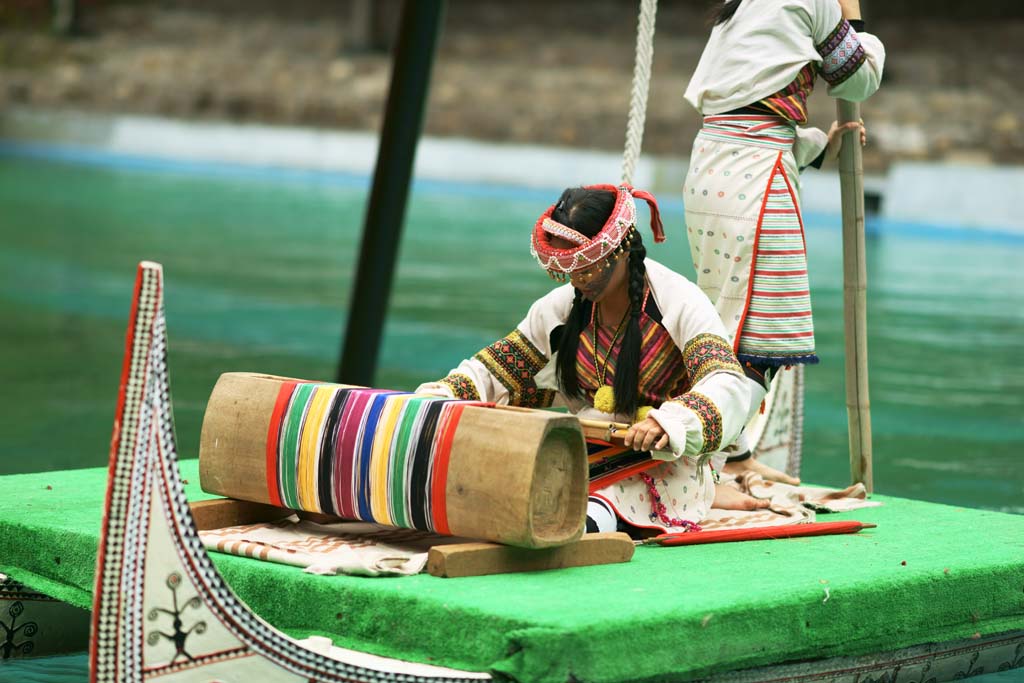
[627, 368]
[723, 11]
[586, 211]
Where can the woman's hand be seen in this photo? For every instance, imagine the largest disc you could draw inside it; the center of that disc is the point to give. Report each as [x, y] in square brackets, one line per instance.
[646, 435]
[835, 136]
[850, 9]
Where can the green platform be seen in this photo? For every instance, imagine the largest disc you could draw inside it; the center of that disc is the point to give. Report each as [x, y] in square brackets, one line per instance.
[928, 573]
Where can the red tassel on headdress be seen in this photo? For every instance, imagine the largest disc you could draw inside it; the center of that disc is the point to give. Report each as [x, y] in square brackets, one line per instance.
[656, 227]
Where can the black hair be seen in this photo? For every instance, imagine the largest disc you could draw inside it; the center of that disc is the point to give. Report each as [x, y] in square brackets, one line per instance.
[586, 211]
[724, 11]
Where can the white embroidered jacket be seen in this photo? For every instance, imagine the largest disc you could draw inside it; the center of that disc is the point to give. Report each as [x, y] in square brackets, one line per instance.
[520, 369]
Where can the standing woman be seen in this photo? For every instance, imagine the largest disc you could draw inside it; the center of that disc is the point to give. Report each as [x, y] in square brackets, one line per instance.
[742, 189]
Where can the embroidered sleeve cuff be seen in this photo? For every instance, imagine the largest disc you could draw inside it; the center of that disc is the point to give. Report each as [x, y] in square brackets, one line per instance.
[708, 437]
[461, 386]
[841, 54]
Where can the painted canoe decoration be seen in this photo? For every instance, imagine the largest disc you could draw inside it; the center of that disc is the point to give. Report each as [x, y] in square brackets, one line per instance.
[161, 609]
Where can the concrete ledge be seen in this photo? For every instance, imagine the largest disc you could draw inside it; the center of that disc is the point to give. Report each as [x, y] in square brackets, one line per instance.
[941, 196]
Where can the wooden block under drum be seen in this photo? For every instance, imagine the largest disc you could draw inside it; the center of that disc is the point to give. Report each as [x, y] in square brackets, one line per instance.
[224, 512]
[480, 559]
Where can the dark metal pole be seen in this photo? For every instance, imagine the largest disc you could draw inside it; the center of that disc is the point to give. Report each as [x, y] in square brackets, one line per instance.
[382, 231]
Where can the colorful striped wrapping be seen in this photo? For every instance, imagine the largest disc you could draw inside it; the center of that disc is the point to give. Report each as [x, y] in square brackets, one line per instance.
[368, 454]
[778, 321]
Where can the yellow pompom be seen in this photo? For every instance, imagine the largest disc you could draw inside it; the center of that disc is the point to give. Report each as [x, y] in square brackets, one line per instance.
[604, 399]
[641, 412]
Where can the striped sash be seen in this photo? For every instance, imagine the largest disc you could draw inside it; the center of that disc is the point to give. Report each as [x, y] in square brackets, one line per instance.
[772, 132]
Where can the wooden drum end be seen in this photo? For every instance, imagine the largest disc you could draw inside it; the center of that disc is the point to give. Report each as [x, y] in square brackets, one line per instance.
[558, 495]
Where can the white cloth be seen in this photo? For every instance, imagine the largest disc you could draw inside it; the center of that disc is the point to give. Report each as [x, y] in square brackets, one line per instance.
[760, 50]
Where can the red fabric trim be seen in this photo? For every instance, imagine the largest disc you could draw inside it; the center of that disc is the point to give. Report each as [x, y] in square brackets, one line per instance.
[753, 261]
[284, 394]
[439, 484]
[796, 206]
[115, 442]
[759, 533]
[762, 271]
[656, 225]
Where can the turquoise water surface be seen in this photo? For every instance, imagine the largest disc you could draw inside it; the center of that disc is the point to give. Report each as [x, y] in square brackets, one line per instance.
[258, 269]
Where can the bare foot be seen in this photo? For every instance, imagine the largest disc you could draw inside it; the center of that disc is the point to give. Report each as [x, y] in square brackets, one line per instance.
[741, 467]
[728, 498]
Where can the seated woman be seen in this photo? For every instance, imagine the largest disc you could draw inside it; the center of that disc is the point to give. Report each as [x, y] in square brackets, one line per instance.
[626, 340]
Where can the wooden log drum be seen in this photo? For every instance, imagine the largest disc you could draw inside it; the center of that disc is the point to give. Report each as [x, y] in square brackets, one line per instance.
[517, 477]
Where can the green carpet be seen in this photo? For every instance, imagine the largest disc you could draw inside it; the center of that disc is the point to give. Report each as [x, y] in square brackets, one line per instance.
[928, 573]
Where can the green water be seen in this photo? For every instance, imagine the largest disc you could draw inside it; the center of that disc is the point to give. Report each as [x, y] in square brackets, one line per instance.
[258, 273]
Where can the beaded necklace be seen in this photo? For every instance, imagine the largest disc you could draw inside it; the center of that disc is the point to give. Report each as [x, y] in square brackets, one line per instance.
[604, 397]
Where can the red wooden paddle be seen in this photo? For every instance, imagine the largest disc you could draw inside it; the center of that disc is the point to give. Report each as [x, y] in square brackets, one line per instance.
[763, 533]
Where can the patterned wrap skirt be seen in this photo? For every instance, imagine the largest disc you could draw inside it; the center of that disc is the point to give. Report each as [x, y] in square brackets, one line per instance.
[747, 238]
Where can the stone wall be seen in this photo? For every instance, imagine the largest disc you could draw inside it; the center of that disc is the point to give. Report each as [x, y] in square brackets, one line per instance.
[531, 71]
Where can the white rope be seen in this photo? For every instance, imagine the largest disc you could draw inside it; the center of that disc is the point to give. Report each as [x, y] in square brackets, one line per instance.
[641, 86]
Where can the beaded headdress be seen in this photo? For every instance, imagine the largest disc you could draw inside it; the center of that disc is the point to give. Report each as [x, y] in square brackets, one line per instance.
[591, 250]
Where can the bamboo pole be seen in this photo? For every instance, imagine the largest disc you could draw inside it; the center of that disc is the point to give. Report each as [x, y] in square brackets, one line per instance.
[858, 406]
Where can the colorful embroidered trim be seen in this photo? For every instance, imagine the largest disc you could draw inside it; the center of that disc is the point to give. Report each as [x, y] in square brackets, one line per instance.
[707, 353]
[462, 386]
[515, 361]
[589, 252]
[791, 102]
[841, 53]
[710, 419]
[377, 456]
[778, 320]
